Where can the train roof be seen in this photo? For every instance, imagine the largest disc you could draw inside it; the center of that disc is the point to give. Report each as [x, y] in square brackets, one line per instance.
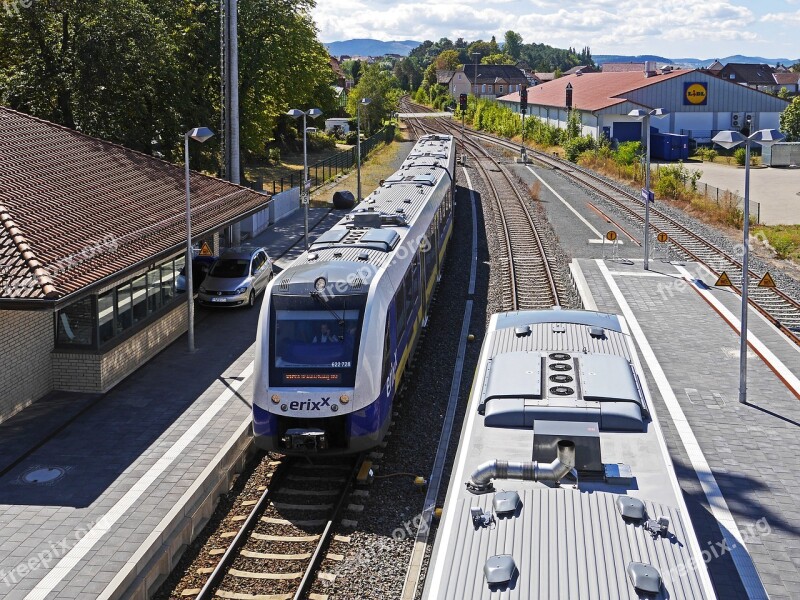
[368, 236]
[545, 377]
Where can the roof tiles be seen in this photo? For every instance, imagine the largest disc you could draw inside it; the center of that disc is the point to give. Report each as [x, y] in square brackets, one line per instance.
[75, 210]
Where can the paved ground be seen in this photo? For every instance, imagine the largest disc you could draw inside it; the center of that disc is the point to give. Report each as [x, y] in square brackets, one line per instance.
[751, 449]
[776, 189]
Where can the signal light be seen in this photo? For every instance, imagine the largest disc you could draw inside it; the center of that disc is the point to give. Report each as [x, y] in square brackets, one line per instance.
[523, 98]
[462, 102]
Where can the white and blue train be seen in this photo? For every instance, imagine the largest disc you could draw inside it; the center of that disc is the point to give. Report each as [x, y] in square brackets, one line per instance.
[337, 327]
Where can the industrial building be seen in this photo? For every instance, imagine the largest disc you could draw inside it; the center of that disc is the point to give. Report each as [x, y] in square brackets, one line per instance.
[698, 103]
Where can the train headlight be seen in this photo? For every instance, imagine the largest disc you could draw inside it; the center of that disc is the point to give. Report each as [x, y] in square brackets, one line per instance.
[335, 408]
[284, 408]
[320, 283]
[276, 399]
[344, 398]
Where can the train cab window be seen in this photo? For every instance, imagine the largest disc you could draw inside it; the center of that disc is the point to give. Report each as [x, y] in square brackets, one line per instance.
[387, 352]
[315, 347]
[411, 292]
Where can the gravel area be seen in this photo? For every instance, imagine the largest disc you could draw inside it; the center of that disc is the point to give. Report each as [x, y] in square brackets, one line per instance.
[785, 273]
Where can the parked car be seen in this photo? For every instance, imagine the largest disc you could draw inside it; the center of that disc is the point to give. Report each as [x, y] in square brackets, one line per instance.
[236, 277]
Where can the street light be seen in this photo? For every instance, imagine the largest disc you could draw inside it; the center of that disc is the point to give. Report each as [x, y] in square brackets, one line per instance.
[644, 117]
[476, 55]
[199, 134]
[363, 102]
[306, 187]
[730, 139]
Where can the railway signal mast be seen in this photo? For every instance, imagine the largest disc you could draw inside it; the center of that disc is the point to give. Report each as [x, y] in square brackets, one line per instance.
[523, 108]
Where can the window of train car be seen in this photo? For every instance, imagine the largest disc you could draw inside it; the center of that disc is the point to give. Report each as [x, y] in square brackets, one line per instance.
[315, 346]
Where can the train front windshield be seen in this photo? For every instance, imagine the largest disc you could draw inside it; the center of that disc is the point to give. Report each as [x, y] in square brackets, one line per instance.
[314, 346]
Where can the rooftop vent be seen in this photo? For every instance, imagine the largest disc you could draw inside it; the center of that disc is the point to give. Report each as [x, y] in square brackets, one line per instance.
[561, 367]
[561, 378]
[284, 284]
[313, 256]
[506, 503]
[523, 331]
[630, 508]
[597, 332]
[363, 256]
[562, 390]
[559, 356]
[500, 570]
[644, 577]
[338, 254]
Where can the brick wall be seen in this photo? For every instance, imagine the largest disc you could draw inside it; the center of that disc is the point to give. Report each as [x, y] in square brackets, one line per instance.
[26, 341]
[99, 372]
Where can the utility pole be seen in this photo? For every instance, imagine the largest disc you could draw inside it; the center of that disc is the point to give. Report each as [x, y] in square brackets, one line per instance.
[230, 86]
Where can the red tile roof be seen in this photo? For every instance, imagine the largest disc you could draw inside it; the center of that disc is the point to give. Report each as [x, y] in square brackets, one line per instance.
[591, 91]
[75, 210]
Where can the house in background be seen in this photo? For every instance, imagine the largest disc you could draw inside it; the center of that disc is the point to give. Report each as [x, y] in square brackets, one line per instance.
[486, 81]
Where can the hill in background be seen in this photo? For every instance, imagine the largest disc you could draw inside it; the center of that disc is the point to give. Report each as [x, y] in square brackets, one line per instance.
[367, 47]
[692, 63]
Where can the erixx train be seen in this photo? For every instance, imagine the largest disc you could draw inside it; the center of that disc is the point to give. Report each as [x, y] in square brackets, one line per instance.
[337, 327]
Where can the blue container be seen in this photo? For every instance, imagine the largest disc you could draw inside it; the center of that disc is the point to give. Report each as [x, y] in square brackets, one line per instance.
[669, 146]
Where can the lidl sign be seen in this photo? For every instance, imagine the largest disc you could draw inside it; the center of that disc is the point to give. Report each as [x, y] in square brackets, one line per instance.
[695, 94]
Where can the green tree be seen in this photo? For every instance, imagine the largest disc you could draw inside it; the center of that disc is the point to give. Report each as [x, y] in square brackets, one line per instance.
[513, 45]
[407, 73]
[383, 91]
[790, 121]
[448, 60]
[498, 59]
[783, 93]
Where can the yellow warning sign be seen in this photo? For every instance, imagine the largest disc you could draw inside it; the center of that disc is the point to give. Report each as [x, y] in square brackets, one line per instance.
[766, 281]
[724, 280]
[662, 237]
[205, 250]
[611, 235]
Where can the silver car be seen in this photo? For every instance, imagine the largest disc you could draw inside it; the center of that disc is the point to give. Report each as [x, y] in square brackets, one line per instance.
[236, 277]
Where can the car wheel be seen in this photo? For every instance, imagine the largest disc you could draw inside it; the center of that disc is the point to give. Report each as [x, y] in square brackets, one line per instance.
[251, 299]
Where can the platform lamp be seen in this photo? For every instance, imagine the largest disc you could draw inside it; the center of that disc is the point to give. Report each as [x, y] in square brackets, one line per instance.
[198, 134]
[647, 195]
[306, 187]
[728, 140]
[362, 102]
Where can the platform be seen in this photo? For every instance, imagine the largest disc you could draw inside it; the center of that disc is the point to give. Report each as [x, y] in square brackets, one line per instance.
[100, 494]
[737, 463]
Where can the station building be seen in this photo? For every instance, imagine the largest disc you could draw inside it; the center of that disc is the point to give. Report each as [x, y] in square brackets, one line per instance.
[92, 240]
[699, 104]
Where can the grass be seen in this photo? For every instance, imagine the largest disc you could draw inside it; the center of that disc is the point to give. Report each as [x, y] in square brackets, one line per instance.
[784, 239]
[290, 164]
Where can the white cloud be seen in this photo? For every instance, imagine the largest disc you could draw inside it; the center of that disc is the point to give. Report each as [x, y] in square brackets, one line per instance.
[674, 28]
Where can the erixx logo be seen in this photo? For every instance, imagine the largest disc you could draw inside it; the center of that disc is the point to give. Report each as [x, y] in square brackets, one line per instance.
[309, 404]
[695, 94]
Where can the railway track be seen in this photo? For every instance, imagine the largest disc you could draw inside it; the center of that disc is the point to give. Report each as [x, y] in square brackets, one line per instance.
[775, 305]
[282, 540]
[528, 279]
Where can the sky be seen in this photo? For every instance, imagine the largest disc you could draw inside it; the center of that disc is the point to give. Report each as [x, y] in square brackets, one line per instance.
[673, 28]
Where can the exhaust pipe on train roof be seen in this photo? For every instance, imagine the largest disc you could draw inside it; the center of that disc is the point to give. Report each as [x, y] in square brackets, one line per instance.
[481, 480]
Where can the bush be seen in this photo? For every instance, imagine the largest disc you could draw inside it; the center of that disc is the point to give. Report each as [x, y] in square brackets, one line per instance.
[628, 153]
[275, 155]
[740, 155]
[577, 146]
[351, 138]
[320, 141]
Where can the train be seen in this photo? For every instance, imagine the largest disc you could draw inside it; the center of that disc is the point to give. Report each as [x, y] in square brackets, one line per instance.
[562, 485]
[338, 326]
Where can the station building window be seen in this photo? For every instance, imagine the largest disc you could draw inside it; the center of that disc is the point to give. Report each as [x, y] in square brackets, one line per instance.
[96, 321]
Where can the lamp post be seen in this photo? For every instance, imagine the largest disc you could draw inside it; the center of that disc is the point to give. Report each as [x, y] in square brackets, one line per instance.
[199, 134]
[362, 102]
[731, 139]
[476, 55]
[644, 117]
[306, 187]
